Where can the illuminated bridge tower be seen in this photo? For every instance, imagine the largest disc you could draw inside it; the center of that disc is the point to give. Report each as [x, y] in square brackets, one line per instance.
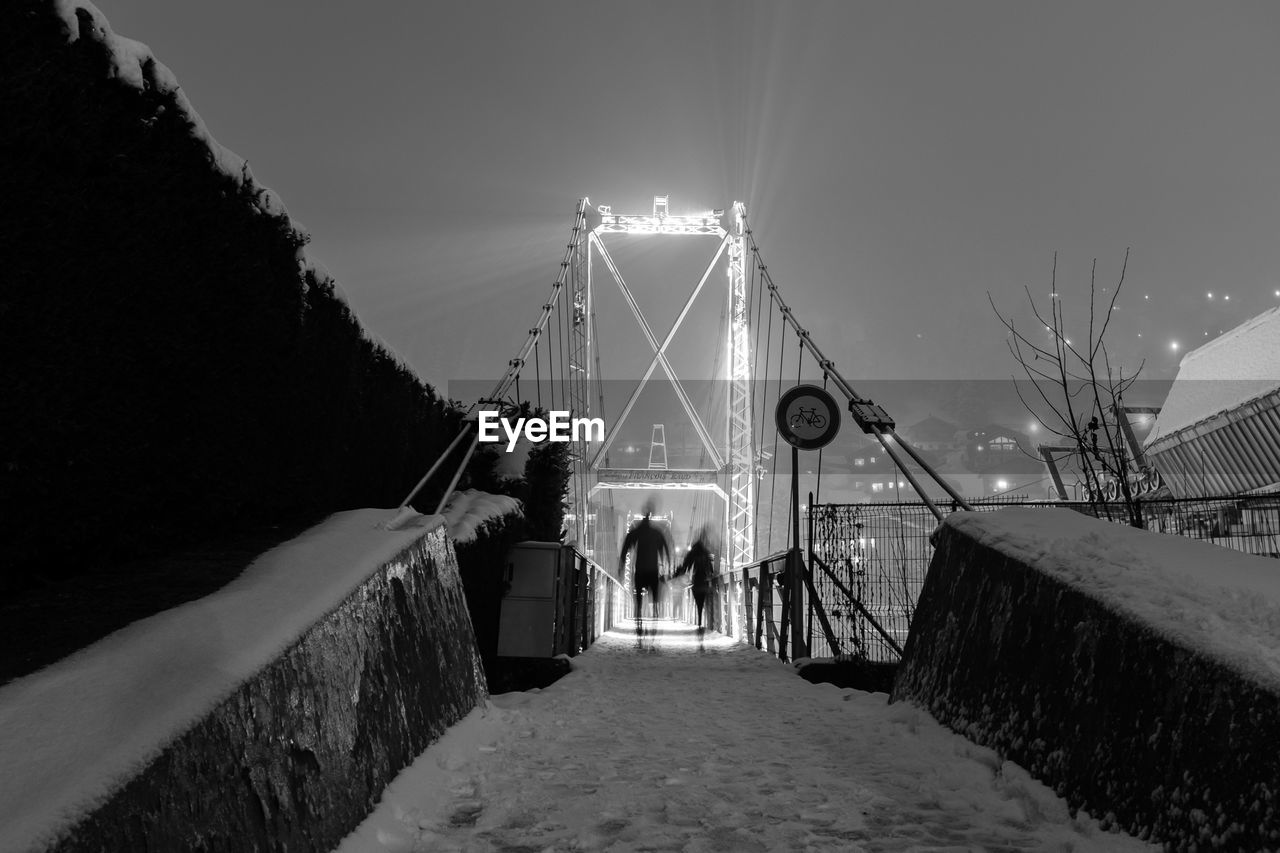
[741, 510]
[730, 470]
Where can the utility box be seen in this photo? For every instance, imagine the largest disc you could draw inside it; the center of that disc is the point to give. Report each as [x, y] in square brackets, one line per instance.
[527, 627]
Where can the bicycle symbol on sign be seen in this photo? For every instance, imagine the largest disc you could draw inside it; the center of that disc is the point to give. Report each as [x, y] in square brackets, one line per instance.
[808, 417]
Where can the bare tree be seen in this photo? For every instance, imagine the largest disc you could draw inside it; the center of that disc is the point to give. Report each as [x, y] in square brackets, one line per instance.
[1080, 392]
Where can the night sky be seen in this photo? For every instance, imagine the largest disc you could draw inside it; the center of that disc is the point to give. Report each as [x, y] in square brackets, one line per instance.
[898, 161]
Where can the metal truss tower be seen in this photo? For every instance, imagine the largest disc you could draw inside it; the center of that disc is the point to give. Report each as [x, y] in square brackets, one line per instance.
[741, 509]
[737, 468]
[579, 378]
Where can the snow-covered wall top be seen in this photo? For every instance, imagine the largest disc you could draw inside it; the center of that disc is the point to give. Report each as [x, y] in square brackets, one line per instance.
[1238, 366]
[60, 728]
[1219, 601]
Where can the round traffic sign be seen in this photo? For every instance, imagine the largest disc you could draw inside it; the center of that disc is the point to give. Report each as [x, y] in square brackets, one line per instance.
[807, 417]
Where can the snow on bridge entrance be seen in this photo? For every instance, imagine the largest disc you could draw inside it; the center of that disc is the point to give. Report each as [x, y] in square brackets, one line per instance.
[707, 745]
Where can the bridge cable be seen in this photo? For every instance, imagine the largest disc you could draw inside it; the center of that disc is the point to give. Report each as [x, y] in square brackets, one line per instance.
[562, 334]
[768, 354]
[799, 357]
[871, 418]
[782, 332]
[817, 490]
[513, 367]
[537, 371]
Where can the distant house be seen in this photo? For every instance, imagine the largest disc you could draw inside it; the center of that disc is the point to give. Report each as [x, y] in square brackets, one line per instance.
[933, 434]
[1002, 458]
[996, 446]
[1218, 431]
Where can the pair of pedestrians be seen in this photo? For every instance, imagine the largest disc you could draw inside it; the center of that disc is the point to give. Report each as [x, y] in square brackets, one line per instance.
[652, 546]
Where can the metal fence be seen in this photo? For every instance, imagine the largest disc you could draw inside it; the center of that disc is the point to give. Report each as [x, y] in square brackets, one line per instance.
[588, 602]
[880, 552]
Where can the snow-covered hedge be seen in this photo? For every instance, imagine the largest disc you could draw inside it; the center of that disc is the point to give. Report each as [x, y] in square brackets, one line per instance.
[170, 351]
[1137, 674]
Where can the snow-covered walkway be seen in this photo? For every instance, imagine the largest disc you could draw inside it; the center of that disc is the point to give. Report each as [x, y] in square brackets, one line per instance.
[688, 746]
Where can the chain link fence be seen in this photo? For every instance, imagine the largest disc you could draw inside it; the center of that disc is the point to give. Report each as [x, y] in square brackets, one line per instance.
[880, 552]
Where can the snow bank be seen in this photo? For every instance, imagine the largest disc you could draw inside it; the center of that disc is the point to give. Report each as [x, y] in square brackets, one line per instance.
[73, 733]
[1220, 602]
[510, 465]
[1137, 674]
[470, 510]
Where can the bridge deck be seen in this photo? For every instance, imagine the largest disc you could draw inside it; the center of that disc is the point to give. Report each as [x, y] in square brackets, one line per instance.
[695, 746]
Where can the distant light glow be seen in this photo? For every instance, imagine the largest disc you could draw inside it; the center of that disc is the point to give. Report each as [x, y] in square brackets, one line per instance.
[1209, 294]
[1033, 427]
[1173, 345]
[1002, 484]
[1227, 297]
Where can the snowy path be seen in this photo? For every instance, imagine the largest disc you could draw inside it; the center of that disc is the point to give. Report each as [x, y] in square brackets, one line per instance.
[719, 748]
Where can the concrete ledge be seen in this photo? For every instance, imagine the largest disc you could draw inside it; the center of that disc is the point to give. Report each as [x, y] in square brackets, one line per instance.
[1135, 722]
[299, 753]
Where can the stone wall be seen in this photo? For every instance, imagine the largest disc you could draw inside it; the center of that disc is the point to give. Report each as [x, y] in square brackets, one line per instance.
[301, 752]
[1142, 731]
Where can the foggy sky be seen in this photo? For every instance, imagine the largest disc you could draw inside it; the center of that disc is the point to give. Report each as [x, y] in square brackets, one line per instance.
[898, 161]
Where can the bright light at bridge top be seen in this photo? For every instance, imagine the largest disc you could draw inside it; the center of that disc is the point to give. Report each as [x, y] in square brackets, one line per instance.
[660, 221]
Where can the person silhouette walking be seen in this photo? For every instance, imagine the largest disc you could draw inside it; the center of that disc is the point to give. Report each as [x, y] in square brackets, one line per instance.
[651, 545]
[700, 563]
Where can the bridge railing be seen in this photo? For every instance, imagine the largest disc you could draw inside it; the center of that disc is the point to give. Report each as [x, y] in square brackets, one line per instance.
[589, 601]
[736, 605]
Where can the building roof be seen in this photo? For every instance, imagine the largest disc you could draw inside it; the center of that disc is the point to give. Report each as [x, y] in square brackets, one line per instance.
[932, 429]
[1229, 371]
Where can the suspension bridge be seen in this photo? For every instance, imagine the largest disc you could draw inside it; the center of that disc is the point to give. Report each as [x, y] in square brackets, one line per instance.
[717, 482]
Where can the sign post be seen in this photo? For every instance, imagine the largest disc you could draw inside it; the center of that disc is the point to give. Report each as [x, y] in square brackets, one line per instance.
[807, 418]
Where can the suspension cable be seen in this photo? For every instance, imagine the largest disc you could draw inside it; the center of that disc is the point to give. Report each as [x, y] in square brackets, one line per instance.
[799, 357]
[561, 332]
[515, 365]
[871, 418]
[764, 396]
[537, 372]
[817, 490]
[782, 349]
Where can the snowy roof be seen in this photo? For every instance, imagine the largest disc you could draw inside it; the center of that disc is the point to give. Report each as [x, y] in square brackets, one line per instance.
[1234, 368]
[1223, 603]
[73, 732]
